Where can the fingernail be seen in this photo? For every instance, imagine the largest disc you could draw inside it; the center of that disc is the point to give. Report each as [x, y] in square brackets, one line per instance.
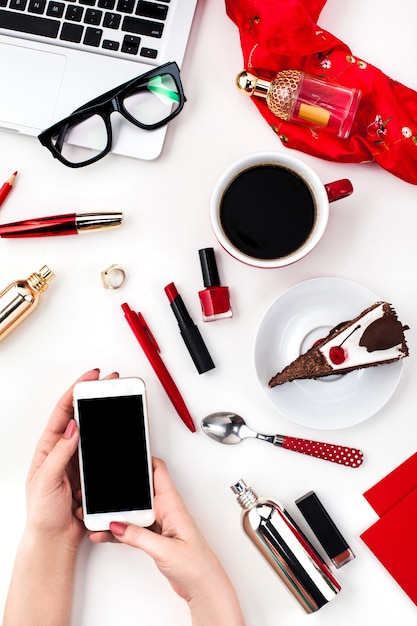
[118, 528]
[70, 429]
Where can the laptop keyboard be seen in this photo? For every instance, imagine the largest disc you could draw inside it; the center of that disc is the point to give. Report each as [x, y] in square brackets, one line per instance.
[122, 27]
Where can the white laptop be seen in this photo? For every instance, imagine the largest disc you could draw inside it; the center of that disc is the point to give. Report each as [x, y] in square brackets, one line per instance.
[56, 55]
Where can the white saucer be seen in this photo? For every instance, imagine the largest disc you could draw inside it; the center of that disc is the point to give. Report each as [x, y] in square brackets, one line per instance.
[293, 322]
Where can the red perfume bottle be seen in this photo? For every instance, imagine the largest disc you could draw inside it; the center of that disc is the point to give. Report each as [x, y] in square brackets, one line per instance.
[297, 97]
[214, 299]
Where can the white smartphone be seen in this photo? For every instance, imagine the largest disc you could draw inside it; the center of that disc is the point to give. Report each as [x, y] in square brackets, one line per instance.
[114, 452]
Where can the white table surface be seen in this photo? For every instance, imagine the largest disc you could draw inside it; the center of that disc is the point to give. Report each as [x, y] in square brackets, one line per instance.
[371, 239]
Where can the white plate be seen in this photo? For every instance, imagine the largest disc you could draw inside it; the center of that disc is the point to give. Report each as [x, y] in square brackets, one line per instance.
[292, 323]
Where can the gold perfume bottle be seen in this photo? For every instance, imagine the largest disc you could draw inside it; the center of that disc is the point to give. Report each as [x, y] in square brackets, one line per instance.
[20, 298]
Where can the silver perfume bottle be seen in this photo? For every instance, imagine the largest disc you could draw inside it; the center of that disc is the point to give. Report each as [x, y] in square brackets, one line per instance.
[285, 547]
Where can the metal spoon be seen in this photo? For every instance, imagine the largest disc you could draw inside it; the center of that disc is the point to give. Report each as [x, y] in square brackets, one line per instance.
[230, 429]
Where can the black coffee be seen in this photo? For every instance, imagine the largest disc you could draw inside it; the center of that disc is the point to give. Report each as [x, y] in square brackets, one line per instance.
[267, 212]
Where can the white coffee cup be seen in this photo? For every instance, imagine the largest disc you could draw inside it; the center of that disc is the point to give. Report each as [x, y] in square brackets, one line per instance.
[270, 209]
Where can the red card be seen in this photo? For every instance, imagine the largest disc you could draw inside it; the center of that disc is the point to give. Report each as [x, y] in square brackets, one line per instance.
[395, 486]
[393, 540]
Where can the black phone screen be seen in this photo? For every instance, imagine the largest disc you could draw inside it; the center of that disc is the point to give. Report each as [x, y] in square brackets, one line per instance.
[114, 454]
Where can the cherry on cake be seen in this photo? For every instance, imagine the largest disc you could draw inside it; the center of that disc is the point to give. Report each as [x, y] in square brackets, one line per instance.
[375, 337]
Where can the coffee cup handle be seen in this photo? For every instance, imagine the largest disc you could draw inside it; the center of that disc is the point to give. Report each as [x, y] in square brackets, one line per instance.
[338, 189]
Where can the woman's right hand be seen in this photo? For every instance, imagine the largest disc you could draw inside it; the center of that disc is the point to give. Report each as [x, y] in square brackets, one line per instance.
[182, 555]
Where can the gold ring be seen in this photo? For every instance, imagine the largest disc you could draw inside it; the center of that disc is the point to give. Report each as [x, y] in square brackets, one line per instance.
[113, 277]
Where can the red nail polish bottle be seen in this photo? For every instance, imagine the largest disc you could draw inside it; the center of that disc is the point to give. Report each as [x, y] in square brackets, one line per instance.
[214, 299]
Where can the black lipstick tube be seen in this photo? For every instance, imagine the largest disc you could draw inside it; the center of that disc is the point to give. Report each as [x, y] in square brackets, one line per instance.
[335, 545]
[189, 331]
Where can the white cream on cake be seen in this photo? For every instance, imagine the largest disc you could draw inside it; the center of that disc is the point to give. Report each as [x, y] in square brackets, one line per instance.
[354, 353]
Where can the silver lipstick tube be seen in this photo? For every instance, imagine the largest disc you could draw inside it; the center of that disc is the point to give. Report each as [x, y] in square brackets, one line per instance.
[286, 549]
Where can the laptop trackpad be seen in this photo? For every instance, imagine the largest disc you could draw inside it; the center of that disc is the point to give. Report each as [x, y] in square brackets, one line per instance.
[29, 101]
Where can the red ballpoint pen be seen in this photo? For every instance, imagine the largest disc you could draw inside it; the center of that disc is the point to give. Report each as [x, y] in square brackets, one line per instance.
[151, 349]
[7, 187]
[66, 224]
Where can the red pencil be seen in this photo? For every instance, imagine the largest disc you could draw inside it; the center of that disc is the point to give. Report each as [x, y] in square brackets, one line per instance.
[7, 187]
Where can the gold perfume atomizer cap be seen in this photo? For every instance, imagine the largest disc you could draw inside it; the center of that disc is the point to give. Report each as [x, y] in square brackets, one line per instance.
[39, 280]
[279, 93]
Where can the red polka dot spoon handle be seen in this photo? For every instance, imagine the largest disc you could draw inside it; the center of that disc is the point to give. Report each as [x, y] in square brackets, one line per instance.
[350, 457]
[230, 428]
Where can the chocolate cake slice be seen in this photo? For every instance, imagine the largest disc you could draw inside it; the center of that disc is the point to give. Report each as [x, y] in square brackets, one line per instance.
[374, 337]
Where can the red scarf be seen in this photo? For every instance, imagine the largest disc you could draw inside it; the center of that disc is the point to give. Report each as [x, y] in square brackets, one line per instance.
[283, 34]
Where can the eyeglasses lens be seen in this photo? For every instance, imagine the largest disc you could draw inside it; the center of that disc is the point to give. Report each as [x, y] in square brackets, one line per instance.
[82, 141]
[154, 101]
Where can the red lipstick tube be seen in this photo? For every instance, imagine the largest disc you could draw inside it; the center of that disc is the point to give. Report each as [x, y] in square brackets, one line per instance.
[189, 331]
[67, 224]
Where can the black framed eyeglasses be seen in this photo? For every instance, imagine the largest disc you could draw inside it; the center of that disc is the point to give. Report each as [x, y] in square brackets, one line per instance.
[148, 101]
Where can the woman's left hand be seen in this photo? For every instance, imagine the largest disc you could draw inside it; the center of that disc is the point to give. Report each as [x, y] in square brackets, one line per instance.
[53, 483]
